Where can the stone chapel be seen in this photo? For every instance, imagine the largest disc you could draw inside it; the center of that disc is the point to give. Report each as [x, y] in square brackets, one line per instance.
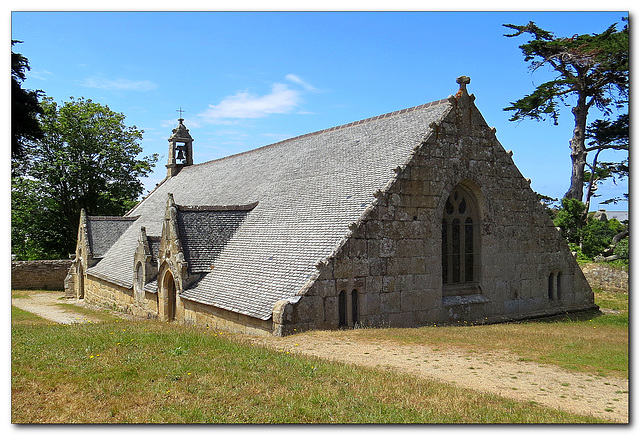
[411, 218]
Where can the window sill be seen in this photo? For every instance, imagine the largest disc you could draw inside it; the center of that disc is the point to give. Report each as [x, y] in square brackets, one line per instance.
[448, 301]
[461, 289]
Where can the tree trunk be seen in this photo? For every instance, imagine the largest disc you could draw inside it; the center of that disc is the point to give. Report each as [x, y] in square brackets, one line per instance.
[592, 180]
[578, 149]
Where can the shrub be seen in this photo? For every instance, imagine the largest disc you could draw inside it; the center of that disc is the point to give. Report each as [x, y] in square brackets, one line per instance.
[622, 249]
[597, 236]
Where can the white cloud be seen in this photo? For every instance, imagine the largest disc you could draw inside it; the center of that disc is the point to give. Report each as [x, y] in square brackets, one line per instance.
[39, 75]
[244, 105]
[296, 79]
[119, 84]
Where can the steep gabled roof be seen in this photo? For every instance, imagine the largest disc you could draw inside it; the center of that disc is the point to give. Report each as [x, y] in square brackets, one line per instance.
[309, 189]
[103, 231]
[204, 231]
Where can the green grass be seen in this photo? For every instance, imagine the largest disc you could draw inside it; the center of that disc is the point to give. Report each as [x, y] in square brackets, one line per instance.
[21, 317]
[87, 313]
[586, 343]
[151, 372]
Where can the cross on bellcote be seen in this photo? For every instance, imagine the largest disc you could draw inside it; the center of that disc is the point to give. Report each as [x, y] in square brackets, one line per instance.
[180, 111]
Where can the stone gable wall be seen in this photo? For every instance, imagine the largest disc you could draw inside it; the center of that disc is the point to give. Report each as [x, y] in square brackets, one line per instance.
[41, 274]
[393, 257]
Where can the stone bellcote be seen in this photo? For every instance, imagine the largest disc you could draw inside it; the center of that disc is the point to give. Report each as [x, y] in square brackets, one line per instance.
[180, 149]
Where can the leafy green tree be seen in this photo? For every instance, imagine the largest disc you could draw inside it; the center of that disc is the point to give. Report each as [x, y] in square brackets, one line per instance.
[607, 135]
[87, 159]
[597, 236]
[589, 237]
[569, 219]
[25, 109]
[593, 69]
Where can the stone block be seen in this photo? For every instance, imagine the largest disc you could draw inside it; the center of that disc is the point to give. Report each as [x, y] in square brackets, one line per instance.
[404, 283]
[410, 247]
[378, 266]
[374, 229]
[418, 265]
[387, 247]
[400, 320]
[373, 284]
[325, 287]
[370, 304]
[389, 283]
[357, 247]
[390, 303]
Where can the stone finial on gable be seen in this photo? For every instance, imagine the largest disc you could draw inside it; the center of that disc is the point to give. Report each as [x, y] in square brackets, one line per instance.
[463, 81]
[462, 98]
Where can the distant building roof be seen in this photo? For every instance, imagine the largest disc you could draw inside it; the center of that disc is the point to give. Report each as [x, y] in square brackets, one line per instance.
[618, 215]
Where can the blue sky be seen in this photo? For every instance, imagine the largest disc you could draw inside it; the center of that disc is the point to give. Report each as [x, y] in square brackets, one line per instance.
[248, 79]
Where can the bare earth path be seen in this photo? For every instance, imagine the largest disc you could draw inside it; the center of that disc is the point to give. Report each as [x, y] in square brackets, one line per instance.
[496, 372]
[46, 304]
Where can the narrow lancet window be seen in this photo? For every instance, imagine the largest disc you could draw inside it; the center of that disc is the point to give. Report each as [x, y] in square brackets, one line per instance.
[342, 309]
[460, 240]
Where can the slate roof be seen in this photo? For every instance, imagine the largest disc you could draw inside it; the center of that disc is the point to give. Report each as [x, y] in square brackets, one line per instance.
[204, 231]
[308, 190]
[103, 231]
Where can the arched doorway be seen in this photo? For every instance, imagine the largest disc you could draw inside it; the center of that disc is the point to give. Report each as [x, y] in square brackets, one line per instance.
[169, 286]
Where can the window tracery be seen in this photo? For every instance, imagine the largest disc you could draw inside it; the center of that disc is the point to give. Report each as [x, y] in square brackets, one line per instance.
[460, 243]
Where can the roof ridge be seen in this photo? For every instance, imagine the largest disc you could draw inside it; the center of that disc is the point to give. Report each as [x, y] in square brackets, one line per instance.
[327, 130]
[112, 218]
[242, 207]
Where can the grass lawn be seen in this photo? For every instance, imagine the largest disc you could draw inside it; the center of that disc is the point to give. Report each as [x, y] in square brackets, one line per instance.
[151, 372]
[591, 344]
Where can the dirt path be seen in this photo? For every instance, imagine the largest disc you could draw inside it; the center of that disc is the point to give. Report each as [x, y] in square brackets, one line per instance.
[496, 372]
[47, 305]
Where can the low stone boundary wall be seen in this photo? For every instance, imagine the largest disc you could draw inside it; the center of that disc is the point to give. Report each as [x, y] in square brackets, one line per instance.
[50, 274]
[605, 277]
[41, 274]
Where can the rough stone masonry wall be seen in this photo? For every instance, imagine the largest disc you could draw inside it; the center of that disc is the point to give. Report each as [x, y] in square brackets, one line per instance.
[106, 294]
[393, 257]
[605, 277]
[41, 274]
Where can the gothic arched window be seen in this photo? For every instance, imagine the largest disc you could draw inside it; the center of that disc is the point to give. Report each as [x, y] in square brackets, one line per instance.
[460, 243]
